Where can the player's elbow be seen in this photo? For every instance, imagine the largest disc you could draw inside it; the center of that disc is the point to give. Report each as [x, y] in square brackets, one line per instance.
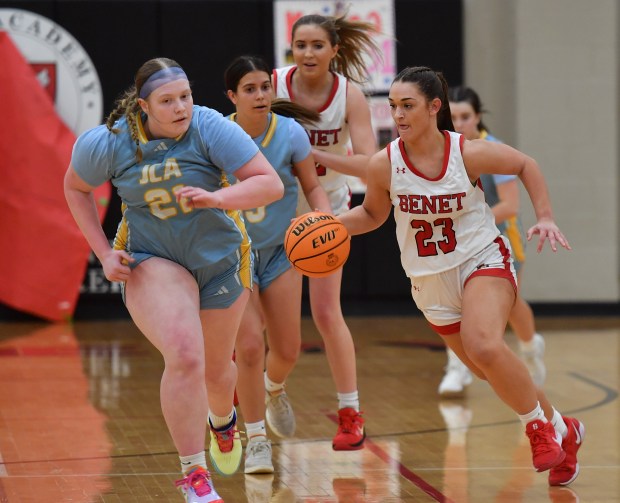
[273, 188]
[278, 188]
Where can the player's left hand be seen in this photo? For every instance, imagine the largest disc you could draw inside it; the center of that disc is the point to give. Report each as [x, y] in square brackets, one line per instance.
[196, 197]
[547, 229]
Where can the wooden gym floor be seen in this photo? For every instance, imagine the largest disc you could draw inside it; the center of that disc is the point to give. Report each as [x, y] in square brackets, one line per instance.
[80, 420]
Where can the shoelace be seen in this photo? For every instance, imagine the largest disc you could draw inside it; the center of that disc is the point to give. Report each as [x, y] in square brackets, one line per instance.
[225, 438]
[539, 442]
[258, 447]
[349, 423]
[280, 402]
[198, 480]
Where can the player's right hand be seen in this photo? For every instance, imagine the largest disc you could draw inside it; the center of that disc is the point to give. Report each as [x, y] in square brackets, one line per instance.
[116, 265]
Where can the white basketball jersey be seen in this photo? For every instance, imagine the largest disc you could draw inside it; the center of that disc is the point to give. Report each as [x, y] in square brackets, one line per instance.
[332, 132]
[441, 222]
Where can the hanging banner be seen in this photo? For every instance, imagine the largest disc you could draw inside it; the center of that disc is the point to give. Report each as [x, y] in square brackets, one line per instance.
[378, 12]
[54, 95]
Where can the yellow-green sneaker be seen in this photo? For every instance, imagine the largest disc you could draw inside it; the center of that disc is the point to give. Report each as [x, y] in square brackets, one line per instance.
[225, 450]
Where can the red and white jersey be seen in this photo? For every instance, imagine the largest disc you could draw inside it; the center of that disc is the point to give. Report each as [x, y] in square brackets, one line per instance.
[332, 132]
[440, 222]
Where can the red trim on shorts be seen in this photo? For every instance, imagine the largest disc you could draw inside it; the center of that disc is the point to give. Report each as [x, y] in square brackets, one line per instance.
[498, 273]
[505, 251]
[443, 330]
[505, 273]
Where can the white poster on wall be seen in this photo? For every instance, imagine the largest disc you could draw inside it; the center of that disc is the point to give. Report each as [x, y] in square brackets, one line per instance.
[378, 12]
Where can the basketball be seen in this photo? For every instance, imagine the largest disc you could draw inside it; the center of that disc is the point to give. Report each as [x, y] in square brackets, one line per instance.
[317, 244]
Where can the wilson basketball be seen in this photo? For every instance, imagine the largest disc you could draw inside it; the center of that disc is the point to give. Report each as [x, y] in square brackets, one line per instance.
[317, 244]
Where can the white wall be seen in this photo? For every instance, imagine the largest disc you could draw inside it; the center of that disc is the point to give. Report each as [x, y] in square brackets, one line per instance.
[547, 71]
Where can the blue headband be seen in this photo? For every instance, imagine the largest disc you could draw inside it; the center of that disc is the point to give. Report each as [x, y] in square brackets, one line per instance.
[161, 77]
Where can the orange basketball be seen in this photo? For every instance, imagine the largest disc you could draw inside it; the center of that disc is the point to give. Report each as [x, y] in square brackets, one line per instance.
[317, 244]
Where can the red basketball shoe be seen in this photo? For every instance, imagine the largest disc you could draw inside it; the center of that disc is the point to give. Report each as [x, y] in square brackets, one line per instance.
[546, 445]
[567, 471]
[351, 434]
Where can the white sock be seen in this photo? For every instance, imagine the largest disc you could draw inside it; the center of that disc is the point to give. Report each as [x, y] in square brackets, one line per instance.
[351, 400]
[220, 422]
[256, 430]
[526, 345]
[271, 386]
[558, 423]
[198, 459]
[537, 413]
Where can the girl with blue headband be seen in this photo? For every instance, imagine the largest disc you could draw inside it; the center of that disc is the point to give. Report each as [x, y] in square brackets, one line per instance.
[181, 251]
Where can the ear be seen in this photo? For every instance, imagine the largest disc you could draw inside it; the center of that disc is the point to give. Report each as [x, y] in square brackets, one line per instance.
[335, 49]
[231, 96]
[143, 105]
[435, 106]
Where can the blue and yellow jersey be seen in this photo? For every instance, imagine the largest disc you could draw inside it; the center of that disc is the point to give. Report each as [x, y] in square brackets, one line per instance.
[154, 223]
[283, 143]
[512, 228]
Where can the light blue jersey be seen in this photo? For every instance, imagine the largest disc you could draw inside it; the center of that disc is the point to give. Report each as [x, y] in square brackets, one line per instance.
[154, 223]
[512, 228]
[283, 143]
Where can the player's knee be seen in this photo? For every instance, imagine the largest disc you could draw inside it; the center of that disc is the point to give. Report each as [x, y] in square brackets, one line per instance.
[251, 351]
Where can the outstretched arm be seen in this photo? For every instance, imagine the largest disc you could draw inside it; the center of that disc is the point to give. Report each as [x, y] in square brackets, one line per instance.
[376, 207]
[536, 187]
[481, 156]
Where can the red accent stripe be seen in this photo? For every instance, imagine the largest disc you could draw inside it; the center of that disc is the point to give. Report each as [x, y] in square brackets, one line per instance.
[289, 82]
[504, 251]
[453, 328]
[274, 81]
[505, 273]
[416, 480]
[332, 93]
[446, 158]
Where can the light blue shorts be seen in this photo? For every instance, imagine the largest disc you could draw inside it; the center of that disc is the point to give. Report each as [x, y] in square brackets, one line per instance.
[219, 285]
[222, 290]
[269, 264]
